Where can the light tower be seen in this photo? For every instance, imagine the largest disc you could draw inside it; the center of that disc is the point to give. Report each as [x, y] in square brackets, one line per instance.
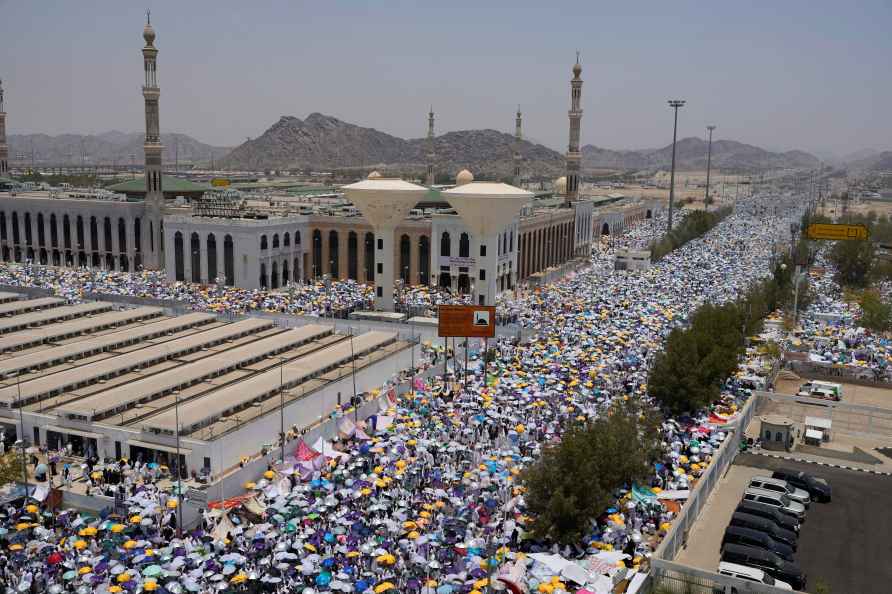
[154, 202]
[674, 104]
[708, 166]
[384, 203]
[431, 155]
[518, 137]
[4, 149]
[574, 157]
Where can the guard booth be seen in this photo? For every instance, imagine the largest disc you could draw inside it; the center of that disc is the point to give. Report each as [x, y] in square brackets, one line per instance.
[777, 433]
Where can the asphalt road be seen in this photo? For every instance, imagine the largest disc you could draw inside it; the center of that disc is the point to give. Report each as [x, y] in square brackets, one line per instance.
[847, 543]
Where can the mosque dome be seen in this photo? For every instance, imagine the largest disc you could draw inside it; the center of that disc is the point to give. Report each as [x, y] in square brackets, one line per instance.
[374, 175]
[560, 186]
[464, 177]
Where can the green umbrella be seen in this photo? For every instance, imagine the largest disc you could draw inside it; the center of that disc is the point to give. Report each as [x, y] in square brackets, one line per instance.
[69, 575]
[152, 571]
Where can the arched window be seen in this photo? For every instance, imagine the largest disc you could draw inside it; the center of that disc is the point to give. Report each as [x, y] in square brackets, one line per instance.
[262, 275]
[405, 259]
[107, 232]
[122, 236]
[275, 240]
[80, 232]
[212, 258]
[334, 264]
[137, 235]
[179, 261]
[464, 246]
[195, 251]
[28, 238]
[424, 260]
[317, 253]
[286, 240]
[228, 261]
[274, 276]
[297, 238]
[369, 259]
[445, 244]
[16, 238]
[263, 244]
[504, 243]
[54, 231]
[41, 236]
[66, 231]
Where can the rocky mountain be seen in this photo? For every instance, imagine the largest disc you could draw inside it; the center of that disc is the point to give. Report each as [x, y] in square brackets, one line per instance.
[324, 142]
[107, 148]
[690, 154]
[876, 161]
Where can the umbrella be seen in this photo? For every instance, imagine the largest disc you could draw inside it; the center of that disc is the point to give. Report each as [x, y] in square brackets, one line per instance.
[152, 571]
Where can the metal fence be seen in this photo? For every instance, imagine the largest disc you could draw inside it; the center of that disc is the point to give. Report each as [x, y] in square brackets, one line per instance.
[668, 577]
[678, 535]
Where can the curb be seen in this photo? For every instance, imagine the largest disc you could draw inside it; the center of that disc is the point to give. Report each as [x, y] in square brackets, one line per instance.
[831, 465]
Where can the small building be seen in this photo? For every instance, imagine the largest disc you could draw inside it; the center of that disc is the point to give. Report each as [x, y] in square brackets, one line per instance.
[817, 430]
[171, 187]
[777, 433]
[629, 259]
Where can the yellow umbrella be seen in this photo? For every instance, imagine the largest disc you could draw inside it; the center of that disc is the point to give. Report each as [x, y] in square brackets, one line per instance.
[238, 578]
[115, 589]
[250, 485]
[269, 474]
[135, 519]
[383, 587]
[85, 570]
[117, 528]
[310, 547]
[31, 509]
[123, 577]
[129, 544]
[353, 554]
[80, 544]
[17, 547]
[413, 535]
[150, 586]
[172, 503]
[22, 526]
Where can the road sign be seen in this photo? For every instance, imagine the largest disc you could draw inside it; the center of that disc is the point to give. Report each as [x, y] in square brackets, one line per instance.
[474, 321]
[220, 182]
[837, 232]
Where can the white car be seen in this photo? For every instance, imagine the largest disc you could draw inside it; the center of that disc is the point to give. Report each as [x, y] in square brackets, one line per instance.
[751, 574]
[773, 484]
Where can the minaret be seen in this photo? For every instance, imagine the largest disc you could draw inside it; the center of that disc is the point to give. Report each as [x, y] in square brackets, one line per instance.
[430, 148]
[517, 139]
[4, 150]
[154, 203]
[573, 155]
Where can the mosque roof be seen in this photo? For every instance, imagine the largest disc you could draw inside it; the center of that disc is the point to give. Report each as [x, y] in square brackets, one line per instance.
[169, 184]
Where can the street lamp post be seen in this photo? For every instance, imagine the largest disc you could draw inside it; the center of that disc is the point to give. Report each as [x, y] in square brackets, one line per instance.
[674, 104]
[708, 166]
[282, 404]
[353, 373]
[176, 394]
[18, 386]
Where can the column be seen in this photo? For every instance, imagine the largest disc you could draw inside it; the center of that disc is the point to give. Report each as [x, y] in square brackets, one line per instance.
[221, 264]
[116, 245]
[130, 234]
[8, 225]
[343, 260]
[88, 240]
[326, 255]
[414, 258]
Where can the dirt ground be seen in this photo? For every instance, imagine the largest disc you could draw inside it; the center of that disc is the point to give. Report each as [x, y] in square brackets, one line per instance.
[851, 393]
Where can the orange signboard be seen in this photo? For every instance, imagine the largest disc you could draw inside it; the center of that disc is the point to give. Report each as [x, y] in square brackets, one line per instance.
[837, 232]
[473, 321]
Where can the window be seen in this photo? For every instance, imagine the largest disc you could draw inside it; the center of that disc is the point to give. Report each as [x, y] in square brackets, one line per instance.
[445, 244]
[767, 435]
[482, 274]
[482, 251]
[464, 246]
[263, 243]
[380, 245]
[778, 436]
[275, 240]
[380, 268]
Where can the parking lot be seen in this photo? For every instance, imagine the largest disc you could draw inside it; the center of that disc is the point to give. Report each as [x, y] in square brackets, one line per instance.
[845, 543]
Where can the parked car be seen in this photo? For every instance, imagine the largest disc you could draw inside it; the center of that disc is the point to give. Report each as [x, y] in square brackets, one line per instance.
[773, 484]
[767, 561]
[765, 525]
[778, 500]
[751, 574]
[780, 519]
[758, 539]
[818, 488]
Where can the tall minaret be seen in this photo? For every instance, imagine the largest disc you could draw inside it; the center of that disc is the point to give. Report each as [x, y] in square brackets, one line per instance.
[154, 203]
[431, 155]
[573, 155]
[4, 150]
[518, 137]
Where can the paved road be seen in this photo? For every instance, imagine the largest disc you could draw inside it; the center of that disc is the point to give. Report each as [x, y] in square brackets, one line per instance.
[848, 542]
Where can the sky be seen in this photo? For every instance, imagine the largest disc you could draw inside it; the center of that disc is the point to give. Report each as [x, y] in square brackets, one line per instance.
[812, 74]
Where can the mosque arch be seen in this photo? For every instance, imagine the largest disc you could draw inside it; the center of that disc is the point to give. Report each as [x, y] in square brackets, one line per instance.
[405, 258]
[94, 234]
[274, 276]
[605, 228]
[179, 263]
[352, 256]
[317, 253]
[263, 243]
[122, 236]
[424, 260]
[195, 253]
[228, 261]
[285, 278]
[15, 227]
[445, 244]
[286, 239]
[334, 256]
[275, 240]
[137, 236]
[464, 246]
[107, 232]
[66, 231]
[369, 257]
[262, 275]
[211, 243]
[41, 235]
[28, 238]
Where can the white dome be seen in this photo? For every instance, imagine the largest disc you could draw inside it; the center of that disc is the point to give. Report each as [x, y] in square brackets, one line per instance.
[374, 175]
[560, 186]
[464, 177]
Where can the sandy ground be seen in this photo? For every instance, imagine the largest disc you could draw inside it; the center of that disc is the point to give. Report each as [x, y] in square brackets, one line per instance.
[851, 393]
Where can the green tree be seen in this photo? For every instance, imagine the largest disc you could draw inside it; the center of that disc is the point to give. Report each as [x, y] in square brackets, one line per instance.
[676, 379]
[574, 481]
[853, 261]
[875, 314]
[10, 467]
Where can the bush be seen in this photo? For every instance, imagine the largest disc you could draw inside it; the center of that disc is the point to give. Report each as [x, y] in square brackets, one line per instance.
[573, 482]
[875, 314]
[693, 226]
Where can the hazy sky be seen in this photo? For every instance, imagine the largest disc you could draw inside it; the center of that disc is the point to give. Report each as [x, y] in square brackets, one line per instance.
[809, 74]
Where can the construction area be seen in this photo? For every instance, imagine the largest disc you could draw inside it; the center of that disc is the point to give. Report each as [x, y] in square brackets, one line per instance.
[101, 381]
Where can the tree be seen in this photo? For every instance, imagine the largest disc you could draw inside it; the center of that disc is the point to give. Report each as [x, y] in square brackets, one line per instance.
[854, 261]
[10, 467]
[875, 314]
[573, 482]
[675, 379]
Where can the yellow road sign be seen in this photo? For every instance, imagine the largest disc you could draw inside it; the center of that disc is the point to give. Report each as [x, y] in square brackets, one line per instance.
[219, 182]
[837, 232]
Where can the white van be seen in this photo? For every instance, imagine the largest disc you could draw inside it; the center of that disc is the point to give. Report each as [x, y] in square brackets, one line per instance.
[751, 574]
[779, 486]
[775, 499]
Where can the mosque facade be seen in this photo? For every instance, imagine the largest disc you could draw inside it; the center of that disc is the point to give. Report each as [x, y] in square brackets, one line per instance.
[276, 249]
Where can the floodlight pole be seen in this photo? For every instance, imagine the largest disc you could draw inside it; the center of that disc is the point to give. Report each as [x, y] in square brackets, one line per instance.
[353, 373]
[18, 386]
[179, 470]
[674, 104]
[282, 404]
[708, 166]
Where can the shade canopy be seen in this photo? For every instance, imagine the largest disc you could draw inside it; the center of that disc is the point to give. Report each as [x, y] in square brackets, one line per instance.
[384, 202]
[487, 207]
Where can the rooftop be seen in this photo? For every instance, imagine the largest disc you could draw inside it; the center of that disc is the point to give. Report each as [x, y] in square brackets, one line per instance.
[169, 184]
